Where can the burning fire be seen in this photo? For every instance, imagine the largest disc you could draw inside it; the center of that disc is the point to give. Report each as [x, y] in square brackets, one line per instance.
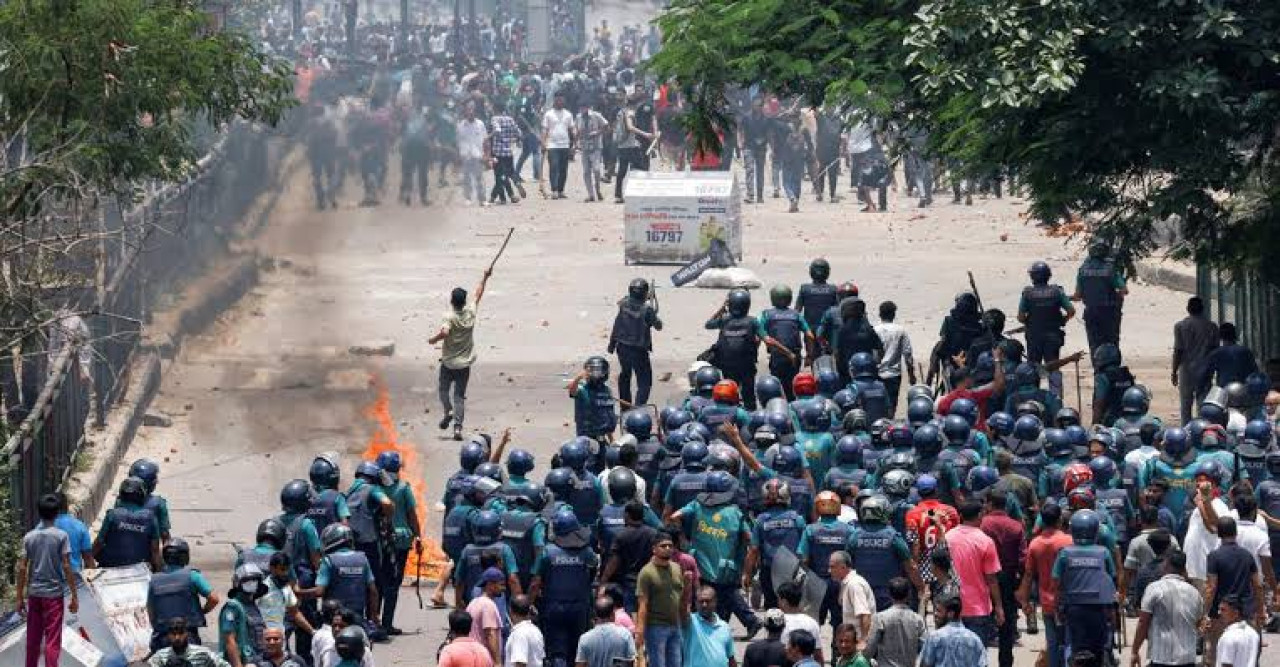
[384, 439]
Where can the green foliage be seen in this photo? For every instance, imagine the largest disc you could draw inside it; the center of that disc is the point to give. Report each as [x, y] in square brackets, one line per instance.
[1129, 112]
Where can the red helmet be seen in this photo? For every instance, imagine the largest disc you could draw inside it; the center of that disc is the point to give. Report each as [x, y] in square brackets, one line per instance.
[847, 289]
[725, 391]
[1082, 498]
[804, 384]
[1075, 476]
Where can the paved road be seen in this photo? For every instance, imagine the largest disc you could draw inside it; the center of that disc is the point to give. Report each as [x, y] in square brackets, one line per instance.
[272, 384]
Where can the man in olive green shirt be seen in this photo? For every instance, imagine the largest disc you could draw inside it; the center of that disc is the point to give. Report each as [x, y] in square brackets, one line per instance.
[659, 588]
[457, 354]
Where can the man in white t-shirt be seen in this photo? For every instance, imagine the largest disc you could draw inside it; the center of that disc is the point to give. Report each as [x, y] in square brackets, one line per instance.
[558, 134]
[471, 137]
[1238, 645]
[789, 596]
[1199, 540]
[525, 647]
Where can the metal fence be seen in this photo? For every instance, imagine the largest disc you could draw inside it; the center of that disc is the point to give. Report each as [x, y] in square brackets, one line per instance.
[1252, 304]
[160, 243]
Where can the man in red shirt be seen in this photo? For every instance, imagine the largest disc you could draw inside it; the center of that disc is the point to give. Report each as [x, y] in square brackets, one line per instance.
[1041, 556]
[1011, 547]
[927, 523]
[974, 557]
[962, 383]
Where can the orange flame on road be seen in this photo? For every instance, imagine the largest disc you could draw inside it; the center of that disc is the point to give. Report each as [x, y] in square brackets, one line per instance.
[385, 438]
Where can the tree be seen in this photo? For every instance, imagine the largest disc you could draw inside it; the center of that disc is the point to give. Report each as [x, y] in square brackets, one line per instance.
[1131, 113]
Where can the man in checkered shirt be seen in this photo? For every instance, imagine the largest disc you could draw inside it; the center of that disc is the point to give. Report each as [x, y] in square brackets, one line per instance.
[504, 138]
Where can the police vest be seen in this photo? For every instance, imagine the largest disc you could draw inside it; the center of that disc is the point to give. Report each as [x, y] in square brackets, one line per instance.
[630, 327]
[736, 346]
[824, 540]
[1097, 280]
[1121, 379]
[649, 457]
[586, 499]
[802, 494]
[258, 558]
[296, 546]
[1269, 501]
[566, 577]
[714, 415]
[1055, 476]
[1028, 460]
[696, 404]
[128, 542]
[685, 488]
[456, 533]
[452, 489]
[1131, 430]
[473, 556]
[348, 574]
[1084, 578]
[169, 595]
[872, 550]
[783, 325]
[778, 528]
[252, 617]
[816, 298]
[1044, 308]
[871, 458]
[612, 521]
[363, 522]
[840, 476]
[517, 533]
[1253, 461]
[597, 416]
[873, 397]
[754, 483]
[1115, 502]
[324, 509]
[962, 460]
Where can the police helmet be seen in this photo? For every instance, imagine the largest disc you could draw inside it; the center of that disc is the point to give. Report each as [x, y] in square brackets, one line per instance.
[780, 296]
[849, 451]
[1079, 439]
[1057, 443]
[855, 421]
[781, 423]
[638, 289]
[1082, 498]
[1237, 394]
[956, 429]
[814, 417]
[827, 504]
[1084, 526]
[250, 573]
[148, 471]
[323, 473]
[1259, 432]
[1257, 385]
[862, 365]
[880, 431]
[1026, 375]
[369, 470]
[272, 532]
[1134, 402]
[900, 437]
[486, 527]
[722, 457]
[472, 455]
[984, 369]
[726, 392]
[560, 482]
[919, 411]
[133, 490]
[721, 487]
[1075, 476]
[565, 522]
[295, 497]
[764, 437]
[819, 269]
[926, 485]
[638, 423]
[698, 431]
[788, 460]
[677, 418]
[482, 488]
[981, 478]
[1213, 471]
[828, 382]
[389, 461]
[777, 493]
[1104, 471]
[927, 440]
[897, 483]
[349, 644]
[597, 369]
[705, 379]
[1214, 413]
[622, 484]
[739, 302]
[804, 384]
[1035, 408]
[176, 552]
[1107, 437]
[1106, 356]
[573, 455]
[757, 418]
[336, 536]
[1001, 423]
[845, 400]
[1175, 443]
[1027, 428]
[967, 408]
[919, 391]
[1066, 417]
[904, 461]
[1039, 273]
[875, 510]
[768, 387]
[519, 462]
[694, 455]
[489, 470]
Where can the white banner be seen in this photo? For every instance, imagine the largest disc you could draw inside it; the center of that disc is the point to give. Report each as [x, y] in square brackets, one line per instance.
[670, 218]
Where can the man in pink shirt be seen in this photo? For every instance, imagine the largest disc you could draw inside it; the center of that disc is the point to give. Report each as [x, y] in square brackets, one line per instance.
[976, 562]
[486, 621]
[463, 651]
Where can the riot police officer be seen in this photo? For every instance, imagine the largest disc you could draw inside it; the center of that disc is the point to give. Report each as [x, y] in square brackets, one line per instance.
[686, 485]
[587, 496]
[958, 454]
[1175, 467]
[347, 576]
[302, 545]
[632, 340]
[269, 538]
[371, 511]
[524, 531]
[240, 624]
[175, 592]
[622, 487]
[130, 533]
[818, 296]
[872, 395]
[406, 534]
[1253, 450]
[1113, 500]
[149, 472]
[1135, 403]
[486, 533]
[1086, 586]
[737, 344]
[594, 409]
[519, 465]
[1100, 284]
[786, 334]
[471, 455]
[328, 505]
[649, 452]
[879, 552]
[1044, 309]
[848, 469]
[725, 409]
[821, 539]
[701, 383]
[1111, 379]
[776, 527]
[562, 579]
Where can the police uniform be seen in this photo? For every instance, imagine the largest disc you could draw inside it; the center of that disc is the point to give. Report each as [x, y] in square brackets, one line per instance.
[786, 326]
[775, 528]
[814, 300]
[594, 410]
[1099, 283]
[566, 575]
[880, 554]
[1086, 589]
[244, 621]
[328, 506]
[632, 340]
[172, 593]
[1043, 306]
[406, 505]
[820, 540]
[128, 532]
[717, 537]
[345, 575]
[525, 532]
[736, 352]
[365, 501]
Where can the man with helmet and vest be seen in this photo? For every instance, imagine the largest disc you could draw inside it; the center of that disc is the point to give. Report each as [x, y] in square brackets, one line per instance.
[1175, 468]
[630, 546]
[1086, 576]
[1135, 406]
[623, 489]
[814, 439]
[524, 531]
[1026, 388]
[720, 532]
[632, 340]
[827, 331]
[485, 550]
[175, 592]
[1045, 309]
[268, 540]
[1111, 379]
[595, 412]
[879, 552]
[725, 408]
[848, 465]
[456, 532]
[347, 576]
[786, 335]
[149, 472]
[818, 541]
[1251, 452]
[701, 382]
[328, 504]
[816, 297]
[1113, 500]
[776, 527]
[406, 534]
[130, 533]
[690, 481]
[587, 497]
[471, 455]
[957, 454]
[1100, 284]
[869, 389]
[302, 545]
[240, 624]
[736, 346]
[1059, 454]
[519, 465]
[371, 515]
[562, 583]
[638, 423]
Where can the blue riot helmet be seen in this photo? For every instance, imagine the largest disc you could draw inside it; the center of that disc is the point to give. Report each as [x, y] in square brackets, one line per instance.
[1039, 273]
[1195, 430]
[926, 485]
[694, 455]
[755, 420]
[389, 461]
[1084, 526]
[1028, 428]
[1104, 471]
[927, 440]
[955, 429]
[768, 387]
[573, 455]
[849, 451]
[900, 437]
[638, 423]
[1026, 376]
[781, 423]
[984, 369]
[665, 413]
[472, 455]
[1106, 356]
[561, 482]
[880, 431]
[1176, 443]
[1066, 417]
[862, 365]
[1213, 471]
[1000, 423]
[519, 462]
[489, 470]
[1079, 439]
[721, 488]
[148, 471]
[845, 400]
[739, 302]
[814, 417]
[369, 471]
[1259, 432]
[764, 437]
[486, 527]
[1035, 408]
[676, 419]
[597, 369]
[919, 411]
[828, 381]
[621, 484]
[1107, 437]
[1057, 443]
[1214, 414]
[981, 478]
[788, 461]
[919, 391]
[1134, 402]
[565, 522]
[967, 408]
[706, 379]
[324, 473]
[295, 497]
[699, 431]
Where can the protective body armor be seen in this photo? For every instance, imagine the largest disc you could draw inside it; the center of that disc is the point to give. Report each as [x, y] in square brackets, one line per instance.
[169, 595]
[873, 397]
[1121, 379]
[736, 346]
[783, 324]
[567, 575]
[517, 533]
[816, 298]
[778, 528]
[649, 455]
[1097, 280]
[872, 549]
[456, 533]
[347, 584]
[1084, 578]
[1115, 504]
[324, 509]
[128, 542]
[598, 416]
[826, 538]
[630, 326]
[1044, 308]
[363, 520]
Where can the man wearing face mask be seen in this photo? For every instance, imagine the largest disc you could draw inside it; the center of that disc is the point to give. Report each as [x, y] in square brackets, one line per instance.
[240, 626]
[180, 650]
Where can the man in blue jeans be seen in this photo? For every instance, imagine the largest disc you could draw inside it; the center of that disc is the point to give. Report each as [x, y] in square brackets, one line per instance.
[659, 591]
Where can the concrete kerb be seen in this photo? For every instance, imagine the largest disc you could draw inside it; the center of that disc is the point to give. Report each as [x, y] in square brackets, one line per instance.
[1178, 278]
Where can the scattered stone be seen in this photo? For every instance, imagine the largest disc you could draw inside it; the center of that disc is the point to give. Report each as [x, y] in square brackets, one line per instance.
[157, 420]
[665, 377]
[544, 323]
[377, 348]
[189, 407]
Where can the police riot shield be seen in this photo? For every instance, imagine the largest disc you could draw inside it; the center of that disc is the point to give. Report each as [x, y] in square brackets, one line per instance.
[787, 567]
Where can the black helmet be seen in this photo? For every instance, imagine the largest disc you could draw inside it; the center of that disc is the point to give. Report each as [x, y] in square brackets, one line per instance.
[133, 490]
[295, 497]
[1039, 273]
[1134, 401]
[780, 296]
[349, 644]
[622, 484]
[638, 289]
[706, 379]
[148, 471]
[597, 368]
[739, 302]
[336, 536]
[272, 532]
[324, 472]
[176, 552]
[819, 270]
[1106, 356]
